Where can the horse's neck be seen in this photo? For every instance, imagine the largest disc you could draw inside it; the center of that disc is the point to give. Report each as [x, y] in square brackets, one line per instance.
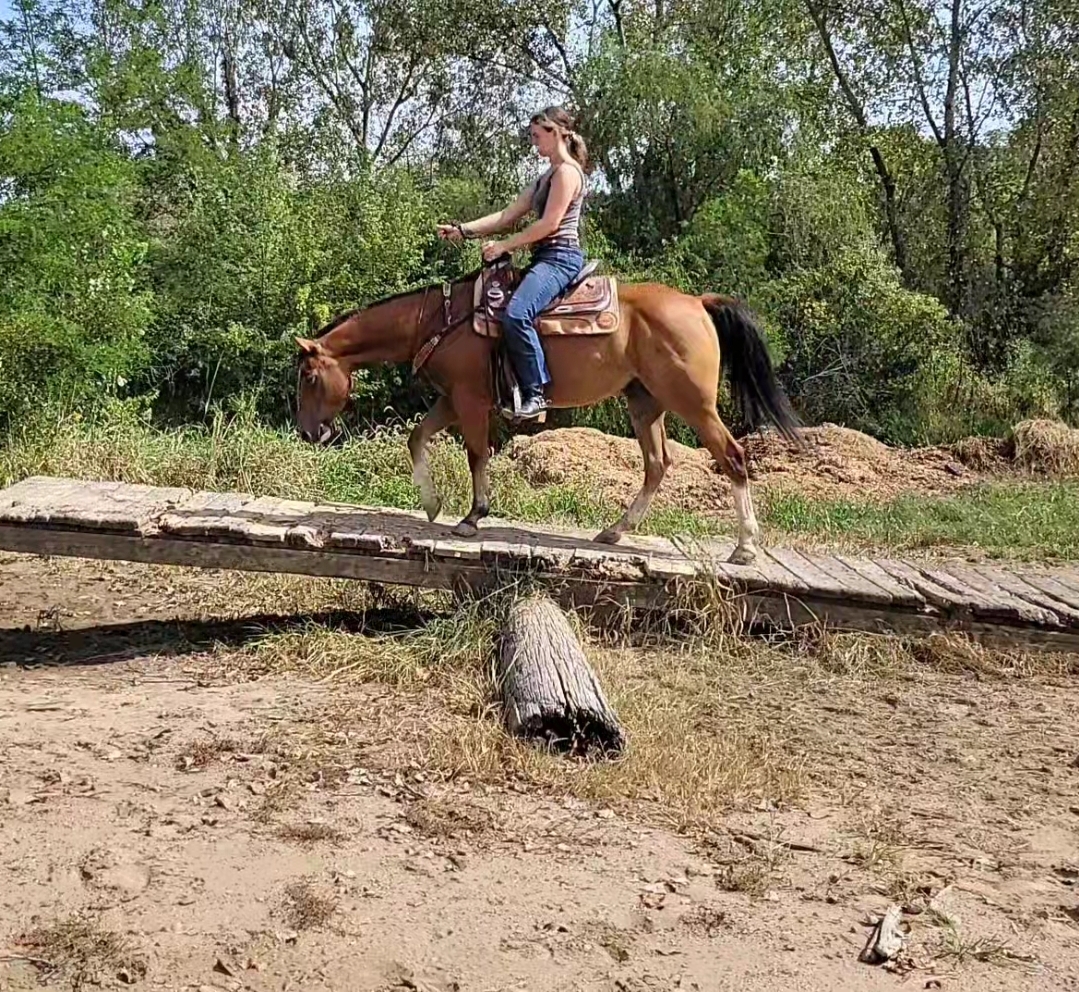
[395, 330]
[384, 332]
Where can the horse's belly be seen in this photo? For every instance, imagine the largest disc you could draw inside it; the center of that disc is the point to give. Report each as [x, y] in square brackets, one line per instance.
[586, 370]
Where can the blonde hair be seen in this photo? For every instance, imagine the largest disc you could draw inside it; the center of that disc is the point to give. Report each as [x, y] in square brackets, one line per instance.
[557, 119]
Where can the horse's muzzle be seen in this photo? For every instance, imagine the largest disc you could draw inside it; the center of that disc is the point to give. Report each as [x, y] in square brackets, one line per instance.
[323, 435]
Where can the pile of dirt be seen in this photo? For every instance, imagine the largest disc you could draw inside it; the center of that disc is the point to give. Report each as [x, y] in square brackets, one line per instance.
[836, 463]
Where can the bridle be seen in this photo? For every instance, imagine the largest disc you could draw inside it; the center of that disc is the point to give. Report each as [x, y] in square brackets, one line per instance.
[427, 349]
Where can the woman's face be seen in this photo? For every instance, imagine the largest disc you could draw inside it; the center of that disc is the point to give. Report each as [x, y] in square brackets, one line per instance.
[544, 139]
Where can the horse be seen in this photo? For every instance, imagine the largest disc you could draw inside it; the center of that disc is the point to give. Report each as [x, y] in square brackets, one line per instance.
[663, 355]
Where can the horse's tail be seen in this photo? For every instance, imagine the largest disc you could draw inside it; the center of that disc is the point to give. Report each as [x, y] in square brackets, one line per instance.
[744, 354]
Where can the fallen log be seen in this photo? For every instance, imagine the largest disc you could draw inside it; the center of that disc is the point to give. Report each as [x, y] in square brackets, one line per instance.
[548, 690]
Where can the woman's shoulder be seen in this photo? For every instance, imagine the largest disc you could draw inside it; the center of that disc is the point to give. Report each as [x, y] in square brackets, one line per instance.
[567, 169]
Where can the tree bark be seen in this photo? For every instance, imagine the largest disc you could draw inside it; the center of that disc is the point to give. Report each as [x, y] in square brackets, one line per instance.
[549, 692]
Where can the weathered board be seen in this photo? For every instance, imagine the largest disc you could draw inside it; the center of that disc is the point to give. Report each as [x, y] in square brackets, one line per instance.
[114, 520]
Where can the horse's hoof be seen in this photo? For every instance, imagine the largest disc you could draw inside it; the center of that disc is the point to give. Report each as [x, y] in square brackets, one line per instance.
[742, 555]
[465, 529]
[609, 536]
[433, 509]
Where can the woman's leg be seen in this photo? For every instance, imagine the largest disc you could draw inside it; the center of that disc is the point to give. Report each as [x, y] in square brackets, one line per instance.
[545, 280]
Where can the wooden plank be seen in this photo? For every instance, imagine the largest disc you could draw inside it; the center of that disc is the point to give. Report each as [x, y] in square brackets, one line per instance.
[988, 598]
[940, 596]
[39, 500]
[775, 576]
[1004, 600]
[1063, 599]
[902, 595]
[456, 549]
[1019, 589]
[815, 579]
[206, 515]
[854, 583]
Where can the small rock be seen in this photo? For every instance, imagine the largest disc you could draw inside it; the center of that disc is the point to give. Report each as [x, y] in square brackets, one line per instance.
[130, 880]
[20, 797]
[224, 967]
[605, 814]
[953, 468]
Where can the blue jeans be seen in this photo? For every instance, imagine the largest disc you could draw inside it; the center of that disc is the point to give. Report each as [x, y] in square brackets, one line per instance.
[551, 271]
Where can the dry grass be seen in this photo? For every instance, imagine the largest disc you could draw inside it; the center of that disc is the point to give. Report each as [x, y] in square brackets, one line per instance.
[199, 755]
[310, 833]
[954, 946]
[80, 952]
[304, 907]
[437, 818]
[1045, 447]
[981, 454]
[707, 715]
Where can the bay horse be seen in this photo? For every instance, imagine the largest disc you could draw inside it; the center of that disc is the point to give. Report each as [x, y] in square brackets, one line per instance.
[664, 355]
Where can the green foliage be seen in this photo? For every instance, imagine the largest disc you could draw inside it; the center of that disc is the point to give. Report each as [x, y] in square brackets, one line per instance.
[183, 189]
[862, 350]
[73, 307]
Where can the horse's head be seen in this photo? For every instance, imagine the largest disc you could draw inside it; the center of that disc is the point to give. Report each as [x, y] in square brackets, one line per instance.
[324, 389]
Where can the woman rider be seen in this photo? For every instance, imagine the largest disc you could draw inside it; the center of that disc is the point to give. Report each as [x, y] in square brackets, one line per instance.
[555, 198]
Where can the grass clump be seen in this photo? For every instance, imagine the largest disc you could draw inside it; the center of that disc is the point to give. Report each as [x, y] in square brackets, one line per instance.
[81, 952]
[304, 907]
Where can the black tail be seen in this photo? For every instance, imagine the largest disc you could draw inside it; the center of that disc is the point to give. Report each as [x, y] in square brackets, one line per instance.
[744, 355]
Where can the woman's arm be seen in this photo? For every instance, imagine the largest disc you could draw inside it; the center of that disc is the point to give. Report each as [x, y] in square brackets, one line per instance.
[563, 188]
[491, 223]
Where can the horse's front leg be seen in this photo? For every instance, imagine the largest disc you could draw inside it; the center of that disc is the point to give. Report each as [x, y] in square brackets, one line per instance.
[440, 416]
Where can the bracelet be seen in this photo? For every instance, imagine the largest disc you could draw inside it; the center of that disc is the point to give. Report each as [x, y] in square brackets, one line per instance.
[461, 231]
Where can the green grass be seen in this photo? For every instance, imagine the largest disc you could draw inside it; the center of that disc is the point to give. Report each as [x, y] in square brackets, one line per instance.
[1021, 520]
[1004, 520]
[372, 470]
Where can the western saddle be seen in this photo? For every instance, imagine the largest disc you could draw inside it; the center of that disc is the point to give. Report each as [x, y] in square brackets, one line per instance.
[589, 306]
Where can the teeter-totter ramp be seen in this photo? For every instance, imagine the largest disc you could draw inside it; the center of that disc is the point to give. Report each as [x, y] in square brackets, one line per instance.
[1013, 605]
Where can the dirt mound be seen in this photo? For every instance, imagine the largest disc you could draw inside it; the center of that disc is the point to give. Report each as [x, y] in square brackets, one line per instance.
[836, 463]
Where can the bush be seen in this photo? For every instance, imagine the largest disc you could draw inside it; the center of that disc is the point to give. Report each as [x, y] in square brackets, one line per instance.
[73, 301]
[863, 351]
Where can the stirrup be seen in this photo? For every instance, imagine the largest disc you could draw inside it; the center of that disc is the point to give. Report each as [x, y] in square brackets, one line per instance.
[514, 414]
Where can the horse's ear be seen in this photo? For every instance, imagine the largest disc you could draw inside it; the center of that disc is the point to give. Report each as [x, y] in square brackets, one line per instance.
[308, 347]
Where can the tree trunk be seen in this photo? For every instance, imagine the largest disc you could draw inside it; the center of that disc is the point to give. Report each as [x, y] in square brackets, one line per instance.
[549, 691]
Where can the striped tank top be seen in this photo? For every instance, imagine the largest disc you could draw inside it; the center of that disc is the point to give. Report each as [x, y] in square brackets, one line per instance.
[568, 232]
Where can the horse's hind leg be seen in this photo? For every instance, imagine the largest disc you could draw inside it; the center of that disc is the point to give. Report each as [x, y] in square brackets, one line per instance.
[646, 414]
[440, 416]
[731, 459]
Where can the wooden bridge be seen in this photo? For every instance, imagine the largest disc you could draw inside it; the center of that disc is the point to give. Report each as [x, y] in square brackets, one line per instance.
[1010, 605]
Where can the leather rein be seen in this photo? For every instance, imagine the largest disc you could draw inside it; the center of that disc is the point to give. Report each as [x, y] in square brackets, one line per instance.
[449, 325]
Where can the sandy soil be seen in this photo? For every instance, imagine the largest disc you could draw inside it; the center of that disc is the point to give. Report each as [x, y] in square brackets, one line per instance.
[258, 834]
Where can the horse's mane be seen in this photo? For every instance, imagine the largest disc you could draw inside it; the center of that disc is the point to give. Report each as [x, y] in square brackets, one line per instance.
[342, 317]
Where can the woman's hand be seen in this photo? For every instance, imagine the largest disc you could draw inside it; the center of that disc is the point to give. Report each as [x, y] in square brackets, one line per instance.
[450, 232]
[493, 249]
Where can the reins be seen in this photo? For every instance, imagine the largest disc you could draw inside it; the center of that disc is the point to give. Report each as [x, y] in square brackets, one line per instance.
[449, 325]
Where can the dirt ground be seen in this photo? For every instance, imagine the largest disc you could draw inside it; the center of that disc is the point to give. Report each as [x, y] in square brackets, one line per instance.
[837, 463]
[165, 823]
